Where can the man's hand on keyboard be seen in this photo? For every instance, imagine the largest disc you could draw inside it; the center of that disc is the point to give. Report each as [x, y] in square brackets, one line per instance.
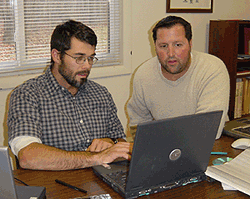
[121, 149]
[100, 144]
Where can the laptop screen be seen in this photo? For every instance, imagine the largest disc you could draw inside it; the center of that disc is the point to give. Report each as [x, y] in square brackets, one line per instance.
[191, 137]
[7, 185]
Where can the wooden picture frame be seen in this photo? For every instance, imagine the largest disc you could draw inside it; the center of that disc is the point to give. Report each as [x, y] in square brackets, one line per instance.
[189, 6]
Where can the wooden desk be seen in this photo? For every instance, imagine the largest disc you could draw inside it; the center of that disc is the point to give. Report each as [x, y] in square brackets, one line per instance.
[87, 180]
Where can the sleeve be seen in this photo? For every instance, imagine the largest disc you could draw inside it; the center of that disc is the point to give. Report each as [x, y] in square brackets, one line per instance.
[137, 108]
[214, 92]
[20, 142]
[23, 115]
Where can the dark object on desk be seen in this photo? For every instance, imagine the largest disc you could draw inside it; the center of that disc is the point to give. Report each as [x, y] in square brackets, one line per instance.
[166, 154]
[70, 186]
[239, 128]
[8, 189]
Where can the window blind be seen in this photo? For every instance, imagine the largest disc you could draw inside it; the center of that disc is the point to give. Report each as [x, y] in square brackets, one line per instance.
[26, 27]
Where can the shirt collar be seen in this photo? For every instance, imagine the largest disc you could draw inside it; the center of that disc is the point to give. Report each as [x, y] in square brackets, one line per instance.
[54, 86]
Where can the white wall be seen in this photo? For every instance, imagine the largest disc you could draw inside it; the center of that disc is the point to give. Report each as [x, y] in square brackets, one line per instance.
[143, 15]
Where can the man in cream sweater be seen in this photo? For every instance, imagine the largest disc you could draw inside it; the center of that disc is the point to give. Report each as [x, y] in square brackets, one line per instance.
[179, 81]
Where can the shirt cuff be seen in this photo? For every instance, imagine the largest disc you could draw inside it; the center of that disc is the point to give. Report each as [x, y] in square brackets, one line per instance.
[22, 141]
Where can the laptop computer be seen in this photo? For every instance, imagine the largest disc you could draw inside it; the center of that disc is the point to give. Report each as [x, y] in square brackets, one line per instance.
[8, 189]
[167, 153]
[238, 128]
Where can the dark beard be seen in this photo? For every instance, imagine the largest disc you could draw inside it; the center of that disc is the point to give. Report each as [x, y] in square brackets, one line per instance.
[70, 78]
[181, 69]
[170, 72]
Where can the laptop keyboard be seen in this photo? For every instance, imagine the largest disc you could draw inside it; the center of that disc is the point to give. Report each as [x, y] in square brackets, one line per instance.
[119, 177]
[243, 130]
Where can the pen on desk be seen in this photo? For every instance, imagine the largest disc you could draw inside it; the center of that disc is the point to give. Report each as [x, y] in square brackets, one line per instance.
[70, 186]
[218, 153]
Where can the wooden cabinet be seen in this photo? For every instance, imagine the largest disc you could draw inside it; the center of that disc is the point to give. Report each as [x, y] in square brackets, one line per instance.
[226, 41]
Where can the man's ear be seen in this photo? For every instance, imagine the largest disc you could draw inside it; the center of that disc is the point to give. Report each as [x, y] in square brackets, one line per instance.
[191, 43]
[56, 56]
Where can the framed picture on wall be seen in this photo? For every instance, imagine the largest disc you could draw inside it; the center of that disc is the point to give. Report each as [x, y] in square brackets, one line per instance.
[190, 6]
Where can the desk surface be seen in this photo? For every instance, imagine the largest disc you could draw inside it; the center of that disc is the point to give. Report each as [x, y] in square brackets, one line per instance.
[87, 180]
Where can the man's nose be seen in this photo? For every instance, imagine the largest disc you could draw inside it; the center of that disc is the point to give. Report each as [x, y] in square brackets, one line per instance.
[170, 51]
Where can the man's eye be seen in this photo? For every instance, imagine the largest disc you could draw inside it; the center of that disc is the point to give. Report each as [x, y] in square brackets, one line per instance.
[80, 58]
[178, 45]
[91, 58]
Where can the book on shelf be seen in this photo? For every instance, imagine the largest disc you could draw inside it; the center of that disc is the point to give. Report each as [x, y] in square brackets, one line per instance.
[247, 40]
[245, 96]
[243, 70]
[242, 97]
[238, 98]
[243, 56]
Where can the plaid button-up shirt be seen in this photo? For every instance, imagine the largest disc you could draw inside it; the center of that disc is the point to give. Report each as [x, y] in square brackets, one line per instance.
[42, 108]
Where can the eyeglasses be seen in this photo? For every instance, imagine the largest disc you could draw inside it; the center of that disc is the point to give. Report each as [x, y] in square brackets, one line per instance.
[82, 59]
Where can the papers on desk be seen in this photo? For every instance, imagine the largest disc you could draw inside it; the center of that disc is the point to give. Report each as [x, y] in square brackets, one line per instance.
[235, 173]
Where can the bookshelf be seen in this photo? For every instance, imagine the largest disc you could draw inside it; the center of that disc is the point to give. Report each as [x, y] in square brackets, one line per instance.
[227, 40]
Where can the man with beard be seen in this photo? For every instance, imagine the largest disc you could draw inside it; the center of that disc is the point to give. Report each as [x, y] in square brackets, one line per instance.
[178, 81]
[60, 120]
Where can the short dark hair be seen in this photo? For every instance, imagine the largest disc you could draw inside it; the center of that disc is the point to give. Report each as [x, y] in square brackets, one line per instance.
[170, 21]
[61, 36]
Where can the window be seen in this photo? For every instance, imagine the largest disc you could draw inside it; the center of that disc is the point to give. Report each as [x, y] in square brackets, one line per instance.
[26, 27]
